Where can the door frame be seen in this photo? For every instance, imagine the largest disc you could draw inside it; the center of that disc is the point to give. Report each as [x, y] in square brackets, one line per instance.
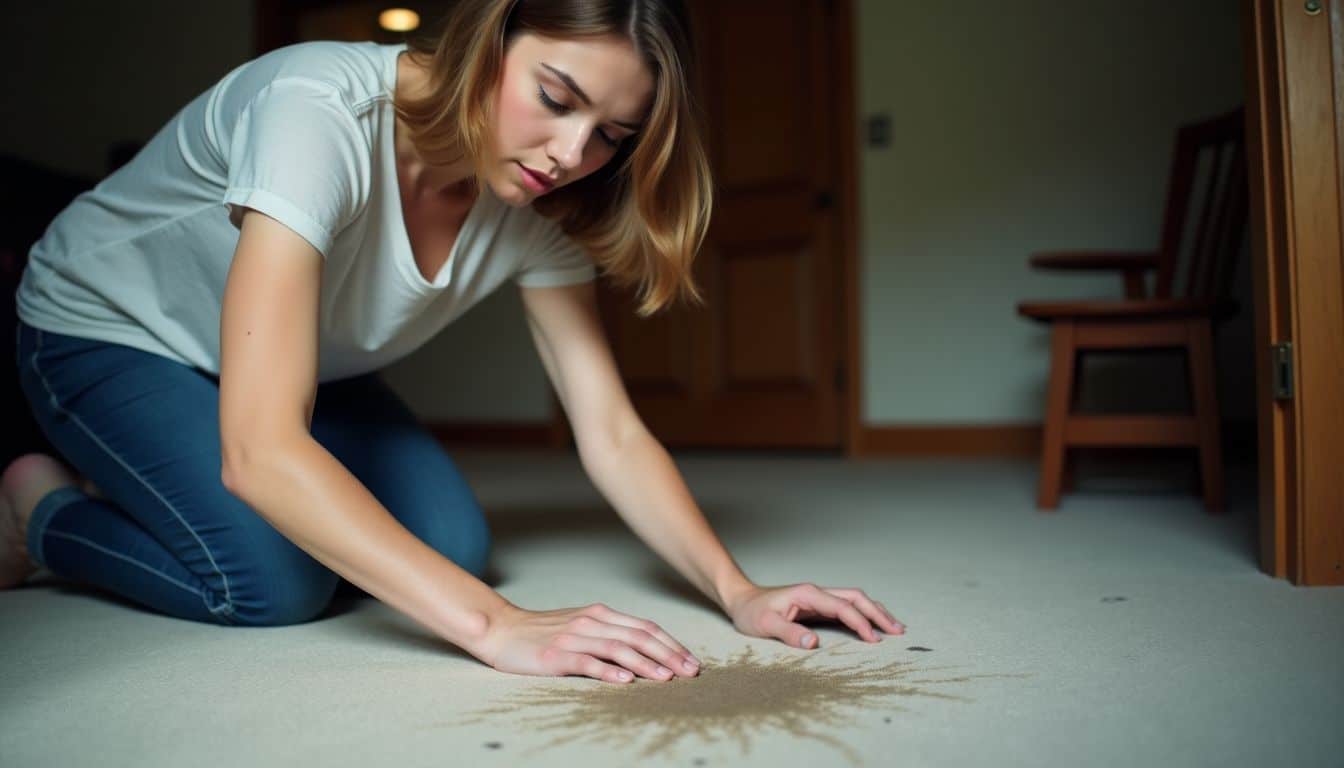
[1297, 166]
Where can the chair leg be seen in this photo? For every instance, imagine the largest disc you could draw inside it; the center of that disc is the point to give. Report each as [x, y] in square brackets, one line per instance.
[1058, 398]
[1205, 398]
[1069, 481]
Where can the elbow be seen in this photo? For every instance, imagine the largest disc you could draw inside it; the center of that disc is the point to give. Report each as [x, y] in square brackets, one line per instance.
[234, 459]
[240, 460]
[247, 447]
[601, 446]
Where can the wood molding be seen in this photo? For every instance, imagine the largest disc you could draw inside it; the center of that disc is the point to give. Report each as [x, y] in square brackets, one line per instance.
[844, 53]
[942, 440]
[1239, 439]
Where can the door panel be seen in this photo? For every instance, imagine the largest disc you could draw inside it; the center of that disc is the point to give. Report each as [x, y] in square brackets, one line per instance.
[758, 365]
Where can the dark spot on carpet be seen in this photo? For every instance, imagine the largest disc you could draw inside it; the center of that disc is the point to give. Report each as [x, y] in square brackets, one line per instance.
[493, 745]
[918, 648]
[805, 695]
[1115, 599]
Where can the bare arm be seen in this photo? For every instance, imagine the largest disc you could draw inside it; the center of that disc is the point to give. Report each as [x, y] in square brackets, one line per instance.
[636, 474]
[626, 463]
[268, 374]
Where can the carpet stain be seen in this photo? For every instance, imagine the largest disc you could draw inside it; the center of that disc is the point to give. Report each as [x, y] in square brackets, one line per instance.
[918, 648]
[1116, 599]
[730, 700]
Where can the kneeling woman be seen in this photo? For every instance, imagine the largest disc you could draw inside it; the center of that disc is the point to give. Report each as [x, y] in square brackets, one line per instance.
[201, 333]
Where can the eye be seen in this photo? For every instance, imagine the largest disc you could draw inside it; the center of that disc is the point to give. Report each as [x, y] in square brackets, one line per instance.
[561, 109]
[550, 103]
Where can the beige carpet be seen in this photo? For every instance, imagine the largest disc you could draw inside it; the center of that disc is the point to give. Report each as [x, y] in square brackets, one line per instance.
[1129, 628]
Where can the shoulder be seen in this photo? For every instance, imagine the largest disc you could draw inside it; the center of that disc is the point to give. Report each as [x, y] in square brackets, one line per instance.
[358, 73]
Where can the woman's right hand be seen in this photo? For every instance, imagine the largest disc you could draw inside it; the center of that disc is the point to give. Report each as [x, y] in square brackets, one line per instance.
[592, 641]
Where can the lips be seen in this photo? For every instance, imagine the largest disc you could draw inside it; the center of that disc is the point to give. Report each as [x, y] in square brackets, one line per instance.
[541, 180]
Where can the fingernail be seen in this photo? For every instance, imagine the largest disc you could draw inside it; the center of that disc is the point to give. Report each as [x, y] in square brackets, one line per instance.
[688, 666]
[624, 676]
[807, 640]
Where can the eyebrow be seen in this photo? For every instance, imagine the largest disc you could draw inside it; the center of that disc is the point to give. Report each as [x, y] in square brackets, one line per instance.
[573, 86]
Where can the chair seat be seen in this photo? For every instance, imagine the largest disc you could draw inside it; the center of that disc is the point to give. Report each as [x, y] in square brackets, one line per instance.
[1125, 309]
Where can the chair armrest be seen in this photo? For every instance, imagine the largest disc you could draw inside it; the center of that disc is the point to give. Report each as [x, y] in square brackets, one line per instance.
[1094, 260]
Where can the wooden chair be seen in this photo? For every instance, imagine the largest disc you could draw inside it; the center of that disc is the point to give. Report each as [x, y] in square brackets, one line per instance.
[1203, 251]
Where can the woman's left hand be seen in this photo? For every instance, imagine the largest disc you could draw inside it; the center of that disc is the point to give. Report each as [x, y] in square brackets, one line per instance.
[772, 611]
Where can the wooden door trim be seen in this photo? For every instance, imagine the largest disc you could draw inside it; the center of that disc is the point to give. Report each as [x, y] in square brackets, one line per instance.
[1312, 109]
[1266, 160]
[847, 196]
[1292, 60]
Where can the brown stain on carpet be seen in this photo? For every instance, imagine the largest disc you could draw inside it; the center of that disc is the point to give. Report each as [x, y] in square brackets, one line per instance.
[732, 699]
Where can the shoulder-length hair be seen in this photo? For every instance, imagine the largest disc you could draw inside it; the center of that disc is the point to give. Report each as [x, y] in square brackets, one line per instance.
[643, 215]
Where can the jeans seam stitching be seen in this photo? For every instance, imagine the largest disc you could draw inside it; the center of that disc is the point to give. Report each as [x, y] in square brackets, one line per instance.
[136, 563]
[228, 597]
[40, 555]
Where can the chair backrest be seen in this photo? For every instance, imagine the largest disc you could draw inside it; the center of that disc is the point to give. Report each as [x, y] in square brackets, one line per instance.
[1207, 202]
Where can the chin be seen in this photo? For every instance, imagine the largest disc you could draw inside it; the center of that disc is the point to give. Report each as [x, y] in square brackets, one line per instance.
[510, 192]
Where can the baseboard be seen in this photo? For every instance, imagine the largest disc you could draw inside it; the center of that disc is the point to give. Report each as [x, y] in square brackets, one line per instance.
[1239, 439]
[943, 440]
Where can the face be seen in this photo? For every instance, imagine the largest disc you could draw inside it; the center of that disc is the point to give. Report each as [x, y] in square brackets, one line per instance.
[562, 110]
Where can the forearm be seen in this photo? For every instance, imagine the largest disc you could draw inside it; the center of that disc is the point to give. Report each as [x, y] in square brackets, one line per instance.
[310, 497]
[640, 480]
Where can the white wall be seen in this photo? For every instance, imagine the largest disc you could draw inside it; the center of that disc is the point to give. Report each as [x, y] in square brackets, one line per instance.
[1020, 127]
[1017, 127]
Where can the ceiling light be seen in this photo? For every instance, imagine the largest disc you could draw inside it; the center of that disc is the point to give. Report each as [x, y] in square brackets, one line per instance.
[399, 19]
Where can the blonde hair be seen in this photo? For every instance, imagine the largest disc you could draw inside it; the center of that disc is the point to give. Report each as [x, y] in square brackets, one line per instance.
[643, 215]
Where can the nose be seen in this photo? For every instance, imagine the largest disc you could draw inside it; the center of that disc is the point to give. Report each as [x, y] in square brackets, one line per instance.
[567, 146]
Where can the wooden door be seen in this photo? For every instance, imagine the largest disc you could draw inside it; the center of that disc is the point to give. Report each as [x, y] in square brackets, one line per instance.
[1295, 133]
[761, 364]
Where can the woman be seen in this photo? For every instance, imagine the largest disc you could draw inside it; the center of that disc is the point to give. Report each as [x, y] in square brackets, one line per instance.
[213, 377]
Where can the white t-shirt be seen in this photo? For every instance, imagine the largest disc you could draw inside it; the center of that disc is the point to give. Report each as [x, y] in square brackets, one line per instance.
[303, 134]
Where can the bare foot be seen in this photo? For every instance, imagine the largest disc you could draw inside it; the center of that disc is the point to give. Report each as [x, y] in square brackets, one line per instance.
[25, 481]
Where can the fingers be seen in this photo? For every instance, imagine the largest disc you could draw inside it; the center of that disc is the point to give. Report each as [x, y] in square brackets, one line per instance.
[874, 610]
[617, 618]
[562, 662]
[793, 634]
[829, 605]
[616, 650]
[636, 642]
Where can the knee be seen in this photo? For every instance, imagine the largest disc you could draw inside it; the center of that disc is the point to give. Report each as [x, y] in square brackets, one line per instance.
[282, 599]
[466, 540]
[474, 554]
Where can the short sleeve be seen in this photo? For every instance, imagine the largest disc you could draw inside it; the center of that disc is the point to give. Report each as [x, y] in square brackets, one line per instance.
[554, 259]
[298, 156]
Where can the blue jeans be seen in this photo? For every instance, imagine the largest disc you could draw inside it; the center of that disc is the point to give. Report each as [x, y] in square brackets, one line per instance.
[169, 536]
